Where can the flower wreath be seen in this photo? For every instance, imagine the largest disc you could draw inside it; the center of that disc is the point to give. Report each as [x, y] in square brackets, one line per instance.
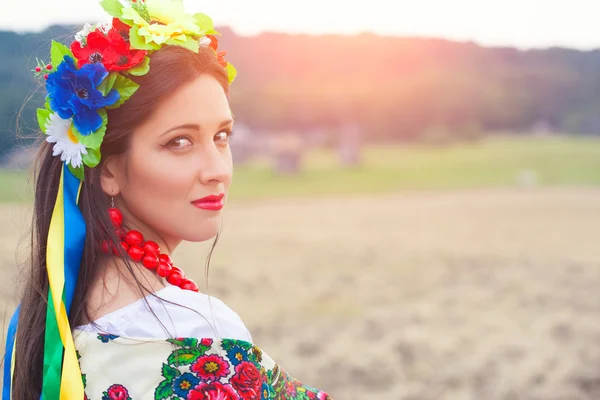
[90, 77]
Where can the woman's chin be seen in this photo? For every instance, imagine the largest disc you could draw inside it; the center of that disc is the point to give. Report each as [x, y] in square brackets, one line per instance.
[207, 233]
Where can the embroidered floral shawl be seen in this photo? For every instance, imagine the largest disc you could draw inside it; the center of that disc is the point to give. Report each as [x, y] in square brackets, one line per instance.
[125, 368]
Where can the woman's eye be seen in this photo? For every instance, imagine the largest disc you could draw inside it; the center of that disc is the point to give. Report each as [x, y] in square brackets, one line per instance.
[180, 143]
[222, 137]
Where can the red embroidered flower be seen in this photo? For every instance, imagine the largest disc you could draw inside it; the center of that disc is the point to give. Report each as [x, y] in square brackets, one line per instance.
[111, 50]
[290, 387]
[247, 381]
[206, 342]
[211, 368]
[116, 392]
[213, 391]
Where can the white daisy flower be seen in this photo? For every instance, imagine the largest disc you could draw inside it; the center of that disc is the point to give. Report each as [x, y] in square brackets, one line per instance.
[65, 143]
[82, 34]
[104, 27]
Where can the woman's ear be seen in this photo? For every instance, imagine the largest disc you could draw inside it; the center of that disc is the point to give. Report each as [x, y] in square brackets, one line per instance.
[110, 176]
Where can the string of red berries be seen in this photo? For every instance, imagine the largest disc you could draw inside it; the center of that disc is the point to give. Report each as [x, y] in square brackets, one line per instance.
[148, 252]
[42, 69]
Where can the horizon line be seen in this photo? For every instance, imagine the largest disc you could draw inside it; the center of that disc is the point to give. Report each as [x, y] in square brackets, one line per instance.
[357, 33]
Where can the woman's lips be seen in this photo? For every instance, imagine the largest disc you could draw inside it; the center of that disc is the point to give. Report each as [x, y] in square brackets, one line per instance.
[212, 202]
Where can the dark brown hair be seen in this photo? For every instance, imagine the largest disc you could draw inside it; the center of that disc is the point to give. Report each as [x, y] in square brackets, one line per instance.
[170, 68]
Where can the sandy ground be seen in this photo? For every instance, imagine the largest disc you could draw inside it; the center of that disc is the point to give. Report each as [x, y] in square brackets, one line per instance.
[466, 295]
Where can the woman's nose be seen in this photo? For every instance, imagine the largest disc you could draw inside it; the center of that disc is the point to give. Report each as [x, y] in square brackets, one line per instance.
[214, 166]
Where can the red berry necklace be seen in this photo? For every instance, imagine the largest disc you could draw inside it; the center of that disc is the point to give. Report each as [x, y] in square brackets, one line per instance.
[147, 252]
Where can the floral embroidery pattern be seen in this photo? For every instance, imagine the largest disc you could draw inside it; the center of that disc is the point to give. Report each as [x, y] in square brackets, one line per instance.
[116, 392]
[227, 370]
[106, 337]
[184, 383]
[83, 376]
[211, 368]
[213, 390]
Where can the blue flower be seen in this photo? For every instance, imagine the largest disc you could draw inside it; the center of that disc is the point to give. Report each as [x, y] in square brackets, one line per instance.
[267, 392]
[73, 93]
[184, 383]
[237, 354]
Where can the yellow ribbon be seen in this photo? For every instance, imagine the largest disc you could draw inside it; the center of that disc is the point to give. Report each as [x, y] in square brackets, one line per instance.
[71, 383]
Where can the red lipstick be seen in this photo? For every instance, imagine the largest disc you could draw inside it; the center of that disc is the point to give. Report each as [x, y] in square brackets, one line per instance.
[212, 202]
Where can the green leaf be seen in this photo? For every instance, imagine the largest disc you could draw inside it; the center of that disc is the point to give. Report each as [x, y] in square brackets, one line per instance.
[231, 72]
[205, 23]
[47, 103]
[112, 7]
[77, 172]
[58, 51]
[203, 349]
[163, 391]
[184, 342]
[227, 344]
[183, 356]
[140, 69]
[190, 342]
[42, 117]
[94, 140]
[108, 83]
[92, 158]
[126, 88]
[190, 43]
[177, 342]
[169, 372]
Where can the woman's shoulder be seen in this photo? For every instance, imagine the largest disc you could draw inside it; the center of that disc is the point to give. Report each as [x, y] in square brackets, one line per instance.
[188, 368]
[172, 312]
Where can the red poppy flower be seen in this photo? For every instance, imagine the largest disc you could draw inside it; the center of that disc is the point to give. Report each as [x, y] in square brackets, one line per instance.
[111, 50]
[122, 28]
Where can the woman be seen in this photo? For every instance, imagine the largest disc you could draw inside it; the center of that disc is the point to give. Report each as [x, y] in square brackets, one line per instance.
[136, 160]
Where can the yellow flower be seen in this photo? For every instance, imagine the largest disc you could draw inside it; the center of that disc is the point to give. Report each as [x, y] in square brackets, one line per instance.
[169, 24]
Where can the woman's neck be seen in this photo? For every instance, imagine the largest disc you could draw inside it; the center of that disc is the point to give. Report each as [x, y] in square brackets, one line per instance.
[118, 285]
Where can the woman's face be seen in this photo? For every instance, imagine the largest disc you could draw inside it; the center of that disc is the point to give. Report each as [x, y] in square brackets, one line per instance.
[179, 155]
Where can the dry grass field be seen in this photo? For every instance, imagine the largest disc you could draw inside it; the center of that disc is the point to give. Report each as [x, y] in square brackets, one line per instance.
[478, 294]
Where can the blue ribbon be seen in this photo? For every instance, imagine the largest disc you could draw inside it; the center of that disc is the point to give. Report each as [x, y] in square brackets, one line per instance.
[10, 341]
[74, 235]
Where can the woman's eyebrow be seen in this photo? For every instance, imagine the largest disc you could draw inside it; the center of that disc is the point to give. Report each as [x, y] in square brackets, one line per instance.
[196, 126]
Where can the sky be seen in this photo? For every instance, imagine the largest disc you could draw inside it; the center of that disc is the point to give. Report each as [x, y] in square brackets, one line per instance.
[519, 23]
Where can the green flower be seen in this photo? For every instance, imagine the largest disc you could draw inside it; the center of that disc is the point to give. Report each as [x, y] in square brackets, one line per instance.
[167, 23]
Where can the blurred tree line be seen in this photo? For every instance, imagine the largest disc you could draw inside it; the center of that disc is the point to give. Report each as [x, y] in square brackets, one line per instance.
[395, 88]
